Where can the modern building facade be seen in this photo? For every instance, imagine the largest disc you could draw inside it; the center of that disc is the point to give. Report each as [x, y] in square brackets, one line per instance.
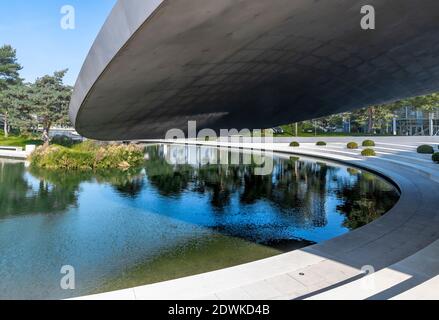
[412, 122]
[406, 121]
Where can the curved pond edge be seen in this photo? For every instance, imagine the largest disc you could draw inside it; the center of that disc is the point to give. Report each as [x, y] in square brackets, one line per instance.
[411, 225]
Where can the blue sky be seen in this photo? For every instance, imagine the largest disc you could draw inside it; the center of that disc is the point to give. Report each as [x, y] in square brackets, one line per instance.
[33, 28]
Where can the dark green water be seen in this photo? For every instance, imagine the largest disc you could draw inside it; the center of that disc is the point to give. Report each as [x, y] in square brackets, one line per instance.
[164, 221]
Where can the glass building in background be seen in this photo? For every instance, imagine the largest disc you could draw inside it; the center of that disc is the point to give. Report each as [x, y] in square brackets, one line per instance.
[412, 122]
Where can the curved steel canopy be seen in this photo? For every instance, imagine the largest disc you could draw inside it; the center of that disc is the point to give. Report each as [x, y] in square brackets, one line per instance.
[157, 64]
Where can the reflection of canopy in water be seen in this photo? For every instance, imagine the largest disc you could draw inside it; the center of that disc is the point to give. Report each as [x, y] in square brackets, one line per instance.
[19, 196]
[46, 191]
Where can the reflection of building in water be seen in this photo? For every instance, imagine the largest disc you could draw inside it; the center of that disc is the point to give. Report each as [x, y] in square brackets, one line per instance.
[191, 155]
[204, 155]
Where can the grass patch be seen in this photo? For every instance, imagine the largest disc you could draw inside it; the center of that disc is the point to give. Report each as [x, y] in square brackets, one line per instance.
[321, 143]
[294, 144]
[88, 156]
[19, 141]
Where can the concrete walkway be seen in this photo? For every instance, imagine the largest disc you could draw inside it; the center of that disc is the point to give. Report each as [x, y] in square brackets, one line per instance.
[16, 152]
[401, 247]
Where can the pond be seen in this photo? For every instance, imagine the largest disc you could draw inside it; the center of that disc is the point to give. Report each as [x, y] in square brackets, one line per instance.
[165, 220]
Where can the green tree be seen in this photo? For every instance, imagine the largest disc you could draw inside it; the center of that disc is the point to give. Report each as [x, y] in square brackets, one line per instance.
[9, 76]
[384, 114]
[368, 117]
[375, 117]
[51, 101]
[9, 67]
[427, 103]
[19, 107]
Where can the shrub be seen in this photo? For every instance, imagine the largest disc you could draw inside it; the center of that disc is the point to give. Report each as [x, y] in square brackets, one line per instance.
[368, 143]
[88, 157]
[435, 157]
[118, 156]
[352, 145]
[295, 144]
[62, 141]
[321, 143]
[426, 149]
[368, 153]
[353, 171]
[89, 145]
[58, 157]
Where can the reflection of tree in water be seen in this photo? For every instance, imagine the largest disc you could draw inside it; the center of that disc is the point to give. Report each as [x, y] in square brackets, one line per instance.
[297, 188]
[293, 184]
[55, 190]
[220, 182]
[131, 188]
[12, 191]
[128, 183]
[365, 199]
[18, 196]
[168, 179]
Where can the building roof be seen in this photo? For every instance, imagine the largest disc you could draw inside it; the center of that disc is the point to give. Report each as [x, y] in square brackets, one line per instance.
[249, 64]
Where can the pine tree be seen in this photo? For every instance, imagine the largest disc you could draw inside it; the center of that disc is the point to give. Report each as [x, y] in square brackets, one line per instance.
[9, 76]
[51, 101]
